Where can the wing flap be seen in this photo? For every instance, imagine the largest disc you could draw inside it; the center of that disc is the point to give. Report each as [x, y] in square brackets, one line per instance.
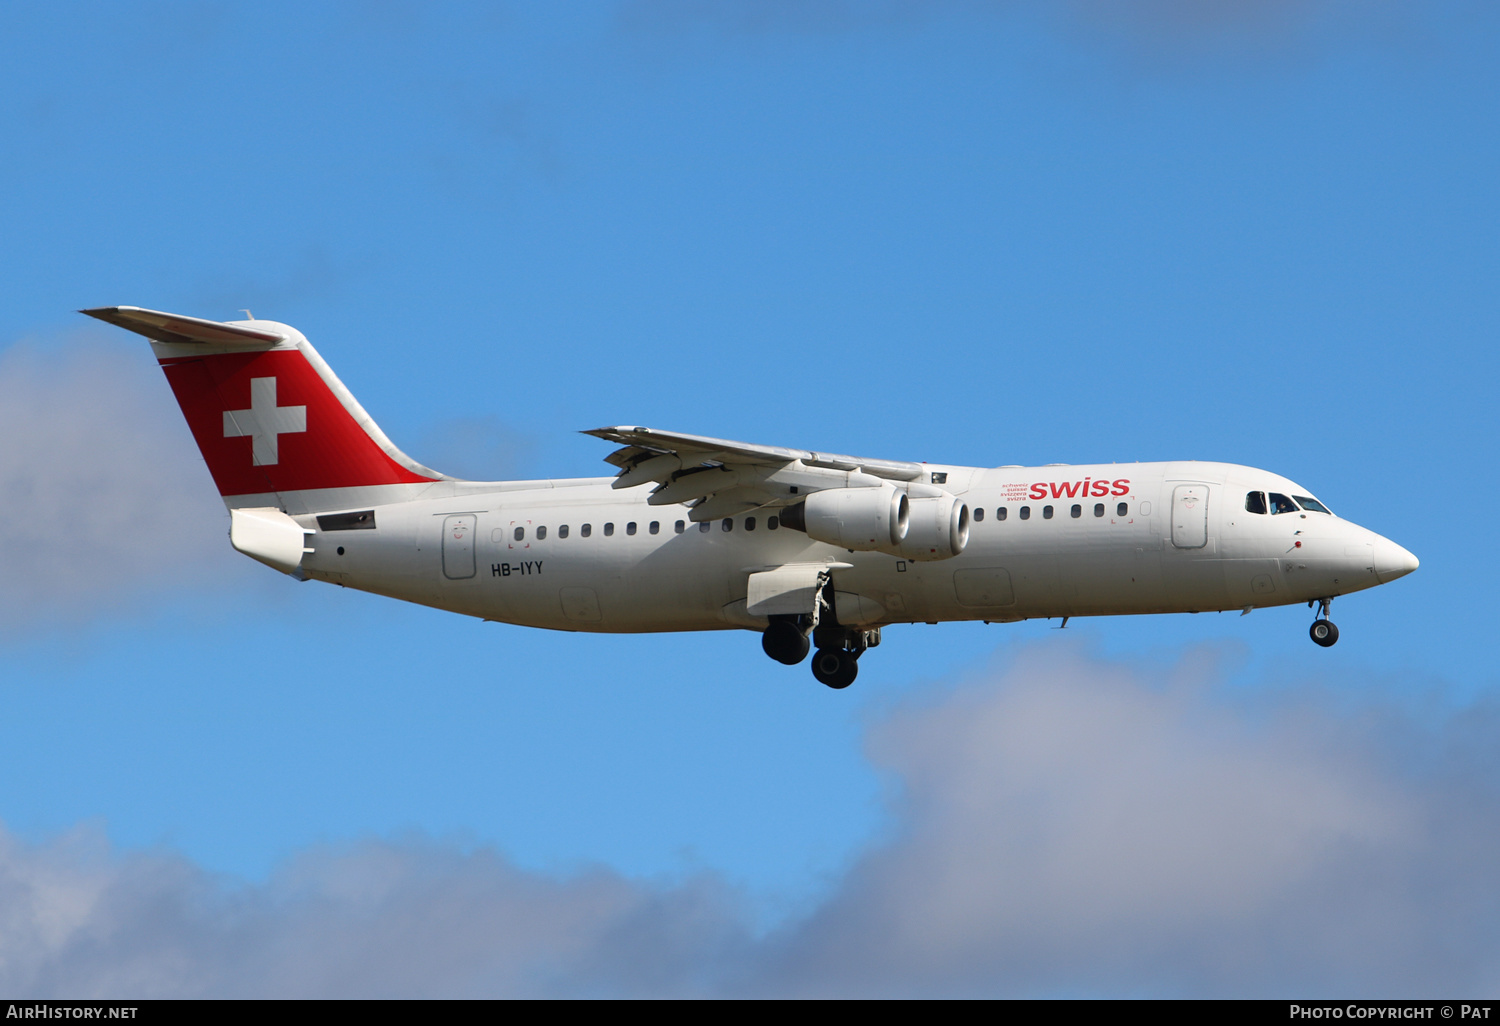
[632, 456]
[728, 503]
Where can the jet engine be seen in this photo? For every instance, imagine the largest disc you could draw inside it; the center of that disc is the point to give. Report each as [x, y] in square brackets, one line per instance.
[862, 519]
[939, 528]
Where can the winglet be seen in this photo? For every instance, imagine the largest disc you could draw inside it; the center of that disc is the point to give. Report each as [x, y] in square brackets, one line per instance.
[167, 327]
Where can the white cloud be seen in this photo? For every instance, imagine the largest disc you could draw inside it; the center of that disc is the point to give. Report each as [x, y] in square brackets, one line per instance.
[1073, 827]
[103, 496]
[1067, 826]
[380, 919]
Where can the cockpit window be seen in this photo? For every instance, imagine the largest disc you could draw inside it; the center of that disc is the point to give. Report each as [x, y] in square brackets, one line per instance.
[1281, 504]
[1255, 502]
[1309, 503]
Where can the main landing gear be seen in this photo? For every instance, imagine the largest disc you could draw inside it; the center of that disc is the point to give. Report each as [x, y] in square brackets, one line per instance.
[836, 661]
[1322, 631]
[839, 648]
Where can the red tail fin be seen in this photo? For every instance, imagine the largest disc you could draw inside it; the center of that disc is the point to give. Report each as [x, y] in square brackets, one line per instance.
[268, 414]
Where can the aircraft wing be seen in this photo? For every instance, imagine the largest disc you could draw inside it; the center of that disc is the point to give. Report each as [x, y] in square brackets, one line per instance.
[640, 442]
[722, 478]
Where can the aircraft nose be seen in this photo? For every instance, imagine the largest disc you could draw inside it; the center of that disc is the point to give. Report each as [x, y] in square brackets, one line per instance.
[1392, 561]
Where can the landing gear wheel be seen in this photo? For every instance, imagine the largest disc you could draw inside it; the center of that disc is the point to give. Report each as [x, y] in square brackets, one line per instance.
[835, 667]
[1324, 633]
[783, 642]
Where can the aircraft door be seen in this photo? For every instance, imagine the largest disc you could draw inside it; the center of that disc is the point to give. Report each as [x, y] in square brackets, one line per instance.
[458, 546]
[1190, 516]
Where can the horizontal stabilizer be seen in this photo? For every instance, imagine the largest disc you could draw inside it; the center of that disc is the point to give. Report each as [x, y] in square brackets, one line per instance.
[166, 327]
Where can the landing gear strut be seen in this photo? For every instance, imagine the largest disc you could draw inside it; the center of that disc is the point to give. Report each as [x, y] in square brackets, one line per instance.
[1323, 632]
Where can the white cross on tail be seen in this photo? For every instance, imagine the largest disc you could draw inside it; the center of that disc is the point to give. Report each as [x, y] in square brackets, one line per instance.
[264, 421]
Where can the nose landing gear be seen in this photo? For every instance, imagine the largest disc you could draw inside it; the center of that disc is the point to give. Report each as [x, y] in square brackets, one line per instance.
[1323, 632]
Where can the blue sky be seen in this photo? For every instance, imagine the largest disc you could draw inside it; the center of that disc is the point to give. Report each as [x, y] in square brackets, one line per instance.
[960, 232]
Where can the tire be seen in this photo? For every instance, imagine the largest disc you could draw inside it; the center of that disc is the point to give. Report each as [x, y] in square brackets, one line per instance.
[1324, 633]
[835, 667]
[784, 643]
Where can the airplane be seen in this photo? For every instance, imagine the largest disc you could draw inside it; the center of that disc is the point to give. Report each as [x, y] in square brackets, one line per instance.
[813, 550]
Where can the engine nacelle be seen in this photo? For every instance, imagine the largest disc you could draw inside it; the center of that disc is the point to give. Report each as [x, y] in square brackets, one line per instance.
[939, 528]
[862, 519]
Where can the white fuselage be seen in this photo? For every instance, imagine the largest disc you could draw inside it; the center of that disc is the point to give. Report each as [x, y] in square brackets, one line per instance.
[1163, 537]
[814, 549]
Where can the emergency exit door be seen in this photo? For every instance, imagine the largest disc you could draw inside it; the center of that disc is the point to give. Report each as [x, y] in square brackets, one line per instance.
[1190, 516]
[458, 546]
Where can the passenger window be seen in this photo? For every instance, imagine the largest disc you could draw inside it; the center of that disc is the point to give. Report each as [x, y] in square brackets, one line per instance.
[1000, 513]
[1077, 511]
[630, 528]
[655, 527]
[520, 533]
[978, 515]
[1098, 509]
[1309, 503]
[541, 534]
[728, 524]
[679, 527]
[705, 527]
[1281, 504]
[1046, 512]
[1255, 502]
[586, 530]
[1123, 509]
[562, 532]
[1025, 512]
[772, 523]
[749, 523]
[609, 529]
